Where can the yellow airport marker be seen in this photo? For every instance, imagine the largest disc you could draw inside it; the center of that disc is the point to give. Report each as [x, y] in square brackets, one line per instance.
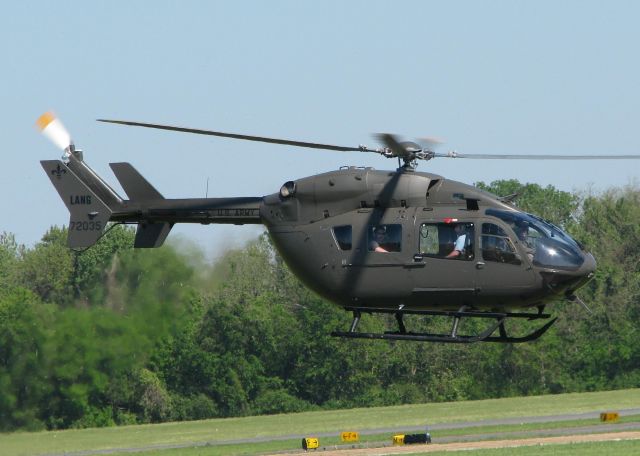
[350, 437]
[398, 439]
[609, 416]
[310, 443]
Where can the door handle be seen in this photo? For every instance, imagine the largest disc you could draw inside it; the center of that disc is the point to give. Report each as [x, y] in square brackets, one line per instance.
[480, 265]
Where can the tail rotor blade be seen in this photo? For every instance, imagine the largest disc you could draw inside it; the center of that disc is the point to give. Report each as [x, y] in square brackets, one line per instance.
[50, 126]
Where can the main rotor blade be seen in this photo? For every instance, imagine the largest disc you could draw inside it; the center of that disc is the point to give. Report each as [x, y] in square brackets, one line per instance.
[537, 157]
[286, 142]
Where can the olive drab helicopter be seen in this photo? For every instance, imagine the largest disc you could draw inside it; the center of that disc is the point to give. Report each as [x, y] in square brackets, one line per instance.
[397, 242]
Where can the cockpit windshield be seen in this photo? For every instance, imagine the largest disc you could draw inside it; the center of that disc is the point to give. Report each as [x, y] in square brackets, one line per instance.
[547, 244]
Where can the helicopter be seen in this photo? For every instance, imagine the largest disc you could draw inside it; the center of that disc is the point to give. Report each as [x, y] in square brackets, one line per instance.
[399, 242]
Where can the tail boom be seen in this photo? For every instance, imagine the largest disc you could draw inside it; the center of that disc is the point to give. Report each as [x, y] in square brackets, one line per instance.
[92, 203]
[236, 211]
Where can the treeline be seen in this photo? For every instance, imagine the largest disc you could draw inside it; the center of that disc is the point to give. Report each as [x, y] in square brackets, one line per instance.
[114, 335]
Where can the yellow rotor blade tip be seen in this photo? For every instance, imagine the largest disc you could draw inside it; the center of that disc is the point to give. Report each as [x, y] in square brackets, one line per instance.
[45, 119]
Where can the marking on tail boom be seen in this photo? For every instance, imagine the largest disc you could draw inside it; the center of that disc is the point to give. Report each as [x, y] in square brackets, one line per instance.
[58, 172]
[80, 199]
[241, 212]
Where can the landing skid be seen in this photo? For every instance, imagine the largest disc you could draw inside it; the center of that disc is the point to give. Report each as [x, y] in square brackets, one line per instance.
[452, 336]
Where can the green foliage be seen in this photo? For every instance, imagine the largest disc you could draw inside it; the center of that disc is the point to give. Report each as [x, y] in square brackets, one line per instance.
[47, 269]
[9, 254]
[549, 203]
[95, 267]
[24, 383]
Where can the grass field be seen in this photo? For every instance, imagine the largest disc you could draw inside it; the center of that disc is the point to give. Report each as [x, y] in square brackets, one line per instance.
[618, 448]
[219, 430]
[615, 448]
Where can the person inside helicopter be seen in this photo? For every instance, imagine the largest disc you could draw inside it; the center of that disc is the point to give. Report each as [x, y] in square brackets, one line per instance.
[461, 240]
[379, 239]
[522, 231]
[385, 238]
[550, 246]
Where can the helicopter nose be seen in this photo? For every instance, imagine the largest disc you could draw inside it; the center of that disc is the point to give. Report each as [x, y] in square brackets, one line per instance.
[585, 273]
[569, 282]
[588, 267]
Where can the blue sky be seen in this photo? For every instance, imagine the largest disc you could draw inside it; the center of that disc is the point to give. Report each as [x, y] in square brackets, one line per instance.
[488, 77]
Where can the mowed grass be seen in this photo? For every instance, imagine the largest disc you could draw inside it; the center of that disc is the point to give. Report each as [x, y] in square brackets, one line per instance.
[310, 423]
[613, 448]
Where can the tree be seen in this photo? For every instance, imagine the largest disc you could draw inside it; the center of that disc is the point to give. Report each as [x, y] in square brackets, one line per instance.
[47, 269]
[24, 383]
[549, 203]
[9, 254]
[94, 268]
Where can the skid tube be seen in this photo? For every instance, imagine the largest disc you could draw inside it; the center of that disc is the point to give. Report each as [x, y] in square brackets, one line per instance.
[453, 336]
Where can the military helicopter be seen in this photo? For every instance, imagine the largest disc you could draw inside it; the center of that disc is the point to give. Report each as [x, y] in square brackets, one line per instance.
[397, 242]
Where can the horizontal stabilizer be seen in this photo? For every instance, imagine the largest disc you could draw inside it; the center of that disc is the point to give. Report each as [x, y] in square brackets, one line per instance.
[136, 186]
[89, 214]
[150, 235]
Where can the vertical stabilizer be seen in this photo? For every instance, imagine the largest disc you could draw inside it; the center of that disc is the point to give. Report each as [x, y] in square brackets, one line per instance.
[133, 183]
[89, 214]
[138, 189]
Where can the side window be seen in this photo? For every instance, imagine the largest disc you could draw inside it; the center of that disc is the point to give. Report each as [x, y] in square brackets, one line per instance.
[343, 235]
[447, 240]
[429, 240]
[385, 238]
[496, 245]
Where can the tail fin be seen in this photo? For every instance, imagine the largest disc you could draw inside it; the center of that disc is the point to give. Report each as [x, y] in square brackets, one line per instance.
[148, 235]
[89, 214]
[133, 183]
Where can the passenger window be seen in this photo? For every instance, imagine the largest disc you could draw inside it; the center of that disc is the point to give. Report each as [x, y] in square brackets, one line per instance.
[385, 238]
[429, 243]
[447, 240]
[343, 235]
[496, 245]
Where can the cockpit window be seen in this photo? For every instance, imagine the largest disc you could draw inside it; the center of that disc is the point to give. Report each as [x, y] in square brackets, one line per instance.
[343, 235]
[496, 245]
[547, 244]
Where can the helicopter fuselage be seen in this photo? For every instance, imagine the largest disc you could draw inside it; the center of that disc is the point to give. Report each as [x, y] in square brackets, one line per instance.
[325, 227]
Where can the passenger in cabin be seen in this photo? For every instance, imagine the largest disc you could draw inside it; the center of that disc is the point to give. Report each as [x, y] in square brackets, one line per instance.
[379, 240]
[461, 240]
